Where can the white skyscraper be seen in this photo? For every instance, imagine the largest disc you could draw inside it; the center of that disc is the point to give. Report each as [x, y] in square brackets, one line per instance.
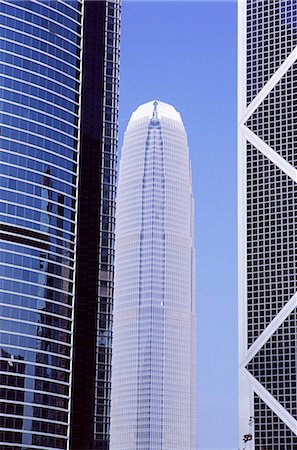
[267, 186]
[154, 333]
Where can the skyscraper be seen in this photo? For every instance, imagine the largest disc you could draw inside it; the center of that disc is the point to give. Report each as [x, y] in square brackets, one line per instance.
[267, 188]
[154, 334]
[59, 105]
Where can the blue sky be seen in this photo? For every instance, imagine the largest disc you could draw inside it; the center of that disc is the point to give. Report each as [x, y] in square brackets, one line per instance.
[184, 53]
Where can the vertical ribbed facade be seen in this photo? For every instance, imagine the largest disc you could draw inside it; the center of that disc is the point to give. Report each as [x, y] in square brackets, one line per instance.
[107, 225]
[95, 237]
[267, 177]
[52, 133]
[154, 334]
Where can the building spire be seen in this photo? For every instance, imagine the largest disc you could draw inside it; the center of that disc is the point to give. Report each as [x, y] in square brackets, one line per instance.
[155, 112]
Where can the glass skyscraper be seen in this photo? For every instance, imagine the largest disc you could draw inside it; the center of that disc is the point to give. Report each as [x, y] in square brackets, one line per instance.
[267, 177]
[59, 102]
[154, 334]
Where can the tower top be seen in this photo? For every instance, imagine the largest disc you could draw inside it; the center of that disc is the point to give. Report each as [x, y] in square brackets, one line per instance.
[155, 109]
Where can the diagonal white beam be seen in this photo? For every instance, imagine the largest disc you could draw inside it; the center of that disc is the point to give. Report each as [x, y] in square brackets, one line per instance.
[271, 402]
[285, 66]
[267, 151]
[270, 329]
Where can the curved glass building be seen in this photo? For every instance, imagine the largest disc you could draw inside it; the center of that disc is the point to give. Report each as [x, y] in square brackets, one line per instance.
[53, 131]
[154, 334]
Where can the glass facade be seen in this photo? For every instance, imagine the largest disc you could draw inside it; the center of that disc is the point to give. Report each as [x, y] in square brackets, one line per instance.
[95, 242]
[43, 67]
[267, 223]
[40, 72]
[154, 333]
[107, 227]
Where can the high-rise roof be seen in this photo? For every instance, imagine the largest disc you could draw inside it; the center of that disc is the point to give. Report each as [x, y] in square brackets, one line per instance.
[156, 106]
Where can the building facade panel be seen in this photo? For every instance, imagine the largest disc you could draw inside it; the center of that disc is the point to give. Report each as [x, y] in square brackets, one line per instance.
[277, 434]
[267, 150]
[271, 246]
[281, 383]
[274, 120]
[271, 37]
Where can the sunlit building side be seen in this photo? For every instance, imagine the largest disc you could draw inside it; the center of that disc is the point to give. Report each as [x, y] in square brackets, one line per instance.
[154, 336]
